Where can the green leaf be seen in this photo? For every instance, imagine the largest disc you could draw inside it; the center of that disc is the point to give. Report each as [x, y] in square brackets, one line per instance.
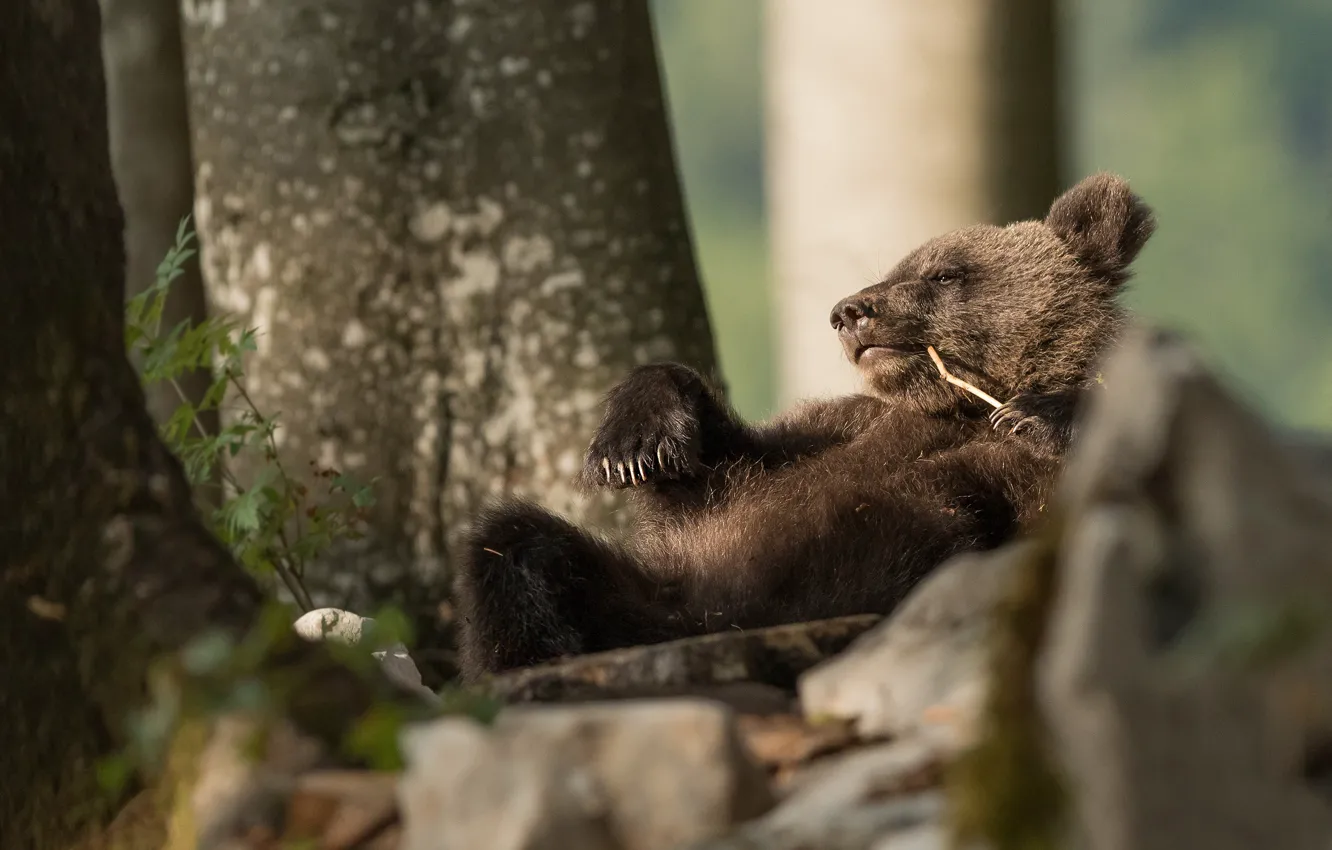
[114, 772]
[375, 738]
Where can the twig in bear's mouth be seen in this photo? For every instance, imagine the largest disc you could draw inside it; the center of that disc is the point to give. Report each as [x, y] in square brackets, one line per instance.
[958, 382]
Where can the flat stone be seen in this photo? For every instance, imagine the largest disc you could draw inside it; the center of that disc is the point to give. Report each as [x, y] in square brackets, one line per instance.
[773, 656]
[629, 775]
[785, 742]
[852, 801]
[923, 837]
[924, 670]
[344, 809]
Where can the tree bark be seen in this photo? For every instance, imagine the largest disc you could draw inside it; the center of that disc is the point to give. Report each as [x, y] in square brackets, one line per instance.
[455, 225]
[890, 122]
[148, 111]
[104, 562]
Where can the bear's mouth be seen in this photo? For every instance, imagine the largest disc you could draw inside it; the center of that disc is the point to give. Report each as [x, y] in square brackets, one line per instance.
[874, 351]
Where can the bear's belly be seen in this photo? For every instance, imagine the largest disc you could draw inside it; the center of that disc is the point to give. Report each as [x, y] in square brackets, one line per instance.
[828, 536]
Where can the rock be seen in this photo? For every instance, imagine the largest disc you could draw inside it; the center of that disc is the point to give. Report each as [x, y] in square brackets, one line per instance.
[785, 742]
[352, 629]
[237, 794]
[774, 656]
[923, 671]
[747, 698]
[877, 772]
[333, 624]
[923, 837]
[398, 666]
[1186, 674]
[341, 810]
[861, 828]
[854, 802]
[631, 775]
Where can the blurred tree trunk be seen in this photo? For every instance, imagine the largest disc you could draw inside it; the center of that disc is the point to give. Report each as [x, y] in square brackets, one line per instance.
[892, 121]
[455, 225]
[103, 562]
[150, 156]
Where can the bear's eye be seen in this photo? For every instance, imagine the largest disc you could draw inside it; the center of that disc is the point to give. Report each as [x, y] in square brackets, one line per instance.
[945, 276]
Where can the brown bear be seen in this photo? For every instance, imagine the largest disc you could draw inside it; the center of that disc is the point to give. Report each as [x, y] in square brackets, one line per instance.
[839, 506]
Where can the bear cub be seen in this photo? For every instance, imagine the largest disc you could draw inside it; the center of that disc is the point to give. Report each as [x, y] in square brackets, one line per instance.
[839, 506]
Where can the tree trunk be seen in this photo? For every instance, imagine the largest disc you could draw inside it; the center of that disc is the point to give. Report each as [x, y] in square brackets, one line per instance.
[150, 156]
[890, 122]
[455, 225]
[103, 562]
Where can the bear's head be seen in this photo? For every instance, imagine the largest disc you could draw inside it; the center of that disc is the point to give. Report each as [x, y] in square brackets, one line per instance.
[1028, 307]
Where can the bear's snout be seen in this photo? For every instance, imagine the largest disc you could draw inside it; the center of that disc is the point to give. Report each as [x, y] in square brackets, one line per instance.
[851, 313]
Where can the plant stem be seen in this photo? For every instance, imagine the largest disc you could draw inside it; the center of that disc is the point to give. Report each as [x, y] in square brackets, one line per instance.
[284, 569]
[294, 585]
[272, 443]
[185, 400]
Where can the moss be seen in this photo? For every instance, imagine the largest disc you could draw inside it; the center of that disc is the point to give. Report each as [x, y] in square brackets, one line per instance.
[178, 783]
[1005, 791]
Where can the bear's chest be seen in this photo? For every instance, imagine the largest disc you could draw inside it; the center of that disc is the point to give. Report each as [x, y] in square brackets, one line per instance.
[904, 439]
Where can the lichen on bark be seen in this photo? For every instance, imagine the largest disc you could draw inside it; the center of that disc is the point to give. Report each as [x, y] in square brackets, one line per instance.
[456, 225]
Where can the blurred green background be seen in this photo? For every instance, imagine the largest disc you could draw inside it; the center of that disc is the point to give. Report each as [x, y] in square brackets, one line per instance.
[1219, 111]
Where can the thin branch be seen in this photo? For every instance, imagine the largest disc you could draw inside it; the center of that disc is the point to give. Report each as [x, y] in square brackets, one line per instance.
[272, 446]
[194, 417]
[290, 573]
[958, 382]
[227, 477]
[290, 578]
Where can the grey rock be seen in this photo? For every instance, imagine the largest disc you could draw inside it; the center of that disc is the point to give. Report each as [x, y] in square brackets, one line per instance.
[399, 667]
[629, 775]
[1197, 544]
[852, 802]
[773, 656]
[858, 828]
[923, 671]
[332, 624]
[234, 792]
[855, 778]
[923, 837]
[352, 629]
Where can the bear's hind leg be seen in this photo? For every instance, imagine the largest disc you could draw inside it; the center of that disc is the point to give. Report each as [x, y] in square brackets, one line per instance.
[534, 587]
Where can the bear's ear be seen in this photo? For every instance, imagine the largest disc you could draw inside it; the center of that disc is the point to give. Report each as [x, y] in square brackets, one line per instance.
[1103, 223]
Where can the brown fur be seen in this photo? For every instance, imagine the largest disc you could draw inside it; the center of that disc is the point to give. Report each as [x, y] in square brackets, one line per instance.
[838, 506]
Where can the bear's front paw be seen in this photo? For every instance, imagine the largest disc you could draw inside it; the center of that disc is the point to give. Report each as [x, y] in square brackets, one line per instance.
[1040, 418]
[1012, 415]
[650, 433]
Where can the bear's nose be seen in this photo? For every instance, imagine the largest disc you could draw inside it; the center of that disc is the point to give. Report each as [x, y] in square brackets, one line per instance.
[850, 312]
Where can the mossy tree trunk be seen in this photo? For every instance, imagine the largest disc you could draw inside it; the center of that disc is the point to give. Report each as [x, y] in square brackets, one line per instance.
[456, 225]
[890, 122]
[103, 562]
